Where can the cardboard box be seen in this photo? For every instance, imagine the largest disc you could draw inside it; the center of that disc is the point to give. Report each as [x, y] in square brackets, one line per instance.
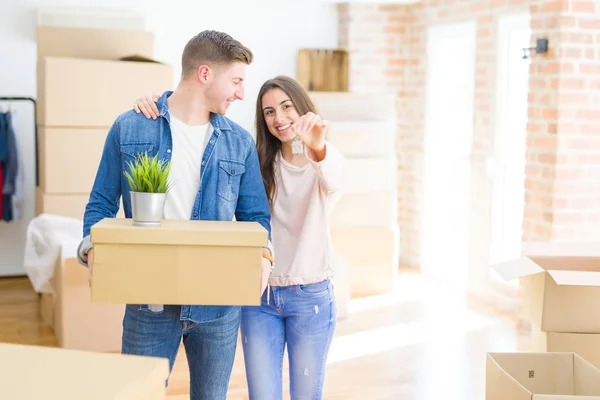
[586, 345]
[71, 205]
[67, 97]
[355, 106]
[366, 209]
[540, 376]
[341, 288]
[180, 262]
[47, 309]
[364, 138]
[102, 44]
[67, 205]
[371, 255]
[69, 158]
[561, 285]
[76, 321]
[36, 372]
[365, 175]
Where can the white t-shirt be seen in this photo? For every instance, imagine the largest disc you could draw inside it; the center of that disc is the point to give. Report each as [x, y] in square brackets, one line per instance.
[188, 147]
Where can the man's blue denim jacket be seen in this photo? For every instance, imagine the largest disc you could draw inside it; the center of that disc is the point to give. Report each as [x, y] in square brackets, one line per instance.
[231, 182]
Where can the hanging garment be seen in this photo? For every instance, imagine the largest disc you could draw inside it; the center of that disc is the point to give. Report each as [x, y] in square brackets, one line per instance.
[6, 200]
[3, 141]
[1, 181]
[11, 163]
[13, 185]
[3, 155]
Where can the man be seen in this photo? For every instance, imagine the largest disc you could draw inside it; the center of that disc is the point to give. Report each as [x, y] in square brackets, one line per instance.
[216, 176]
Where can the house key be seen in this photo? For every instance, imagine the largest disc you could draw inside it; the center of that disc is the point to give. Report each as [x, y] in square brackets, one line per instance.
[297, 146]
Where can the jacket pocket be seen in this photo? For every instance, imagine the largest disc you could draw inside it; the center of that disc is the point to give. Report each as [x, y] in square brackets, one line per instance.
[229, 178]
[131, 151]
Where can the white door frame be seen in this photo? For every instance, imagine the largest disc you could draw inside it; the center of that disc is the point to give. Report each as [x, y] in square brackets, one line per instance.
[507, 25]
[431, 259]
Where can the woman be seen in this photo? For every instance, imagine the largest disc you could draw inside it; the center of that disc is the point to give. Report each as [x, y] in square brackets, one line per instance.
[298, 307]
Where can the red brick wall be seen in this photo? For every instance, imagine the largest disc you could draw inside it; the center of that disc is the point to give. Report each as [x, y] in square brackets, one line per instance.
[568, 131]
[387, 47]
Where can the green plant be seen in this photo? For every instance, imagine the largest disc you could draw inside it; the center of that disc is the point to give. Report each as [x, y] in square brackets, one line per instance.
[148, 174]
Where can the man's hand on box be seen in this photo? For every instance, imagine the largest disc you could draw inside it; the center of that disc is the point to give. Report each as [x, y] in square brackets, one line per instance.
[90, 262]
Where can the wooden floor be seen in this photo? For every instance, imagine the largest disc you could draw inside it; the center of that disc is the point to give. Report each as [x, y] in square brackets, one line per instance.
[422, 343]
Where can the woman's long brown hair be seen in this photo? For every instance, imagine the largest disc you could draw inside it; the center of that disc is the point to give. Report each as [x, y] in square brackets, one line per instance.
[268, 145]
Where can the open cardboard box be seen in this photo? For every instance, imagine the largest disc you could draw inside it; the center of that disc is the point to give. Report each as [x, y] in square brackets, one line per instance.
[178, 262]
[540, 376]
[36, 372]
[561, 284]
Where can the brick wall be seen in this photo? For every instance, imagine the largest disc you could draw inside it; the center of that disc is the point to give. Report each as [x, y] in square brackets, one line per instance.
[570, 124]
[387, 46]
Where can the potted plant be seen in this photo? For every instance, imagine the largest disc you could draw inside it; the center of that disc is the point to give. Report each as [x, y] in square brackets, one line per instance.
[148, 184]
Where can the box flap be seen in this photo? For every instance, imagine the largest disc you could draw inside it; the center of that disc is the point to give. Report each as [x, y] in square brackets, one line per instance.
[539, 373]
[586, 377]
[561, 249]
[575, 278]
[517, 268]
[500, 385]
[180, 232]
[567, 263]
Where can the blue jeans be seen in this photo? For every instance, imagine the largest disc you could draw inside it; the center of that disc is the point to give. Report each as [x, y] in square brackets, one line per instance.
[210, 346]
[304, 318]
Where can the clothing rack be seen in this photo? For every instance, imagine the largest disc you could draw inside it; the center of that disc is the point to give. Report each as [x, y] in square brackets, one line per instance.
[31, 99]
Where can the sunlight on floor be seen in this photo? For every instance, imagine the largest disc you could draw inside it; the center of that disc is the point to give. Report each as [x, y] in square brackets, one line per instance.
[444, 315]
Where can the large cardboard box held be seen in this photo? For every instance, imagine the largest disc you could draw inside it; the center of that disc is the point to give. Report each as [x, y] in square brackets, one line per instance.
[540, 376]
[179, 262]
[35, 372]
[561, 285]
[77, 322]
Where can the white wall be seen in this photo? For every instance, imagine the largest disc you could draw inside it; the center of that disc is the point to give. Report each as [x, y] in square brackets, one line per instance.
[274, 34]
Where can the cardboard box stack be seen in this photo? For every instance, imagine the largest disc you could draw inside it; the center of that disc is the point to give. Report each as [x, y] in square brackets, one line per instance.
[364, 224]
[83, 85]
[560, 283]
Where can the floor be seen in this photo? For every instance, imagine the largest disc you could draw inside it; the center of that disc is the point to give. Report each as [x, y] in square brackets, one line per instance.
[421, 343]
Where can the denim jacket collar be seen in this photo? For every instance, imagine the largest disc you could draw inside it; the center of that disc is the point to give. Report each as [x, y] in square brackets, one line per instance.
[218, 122]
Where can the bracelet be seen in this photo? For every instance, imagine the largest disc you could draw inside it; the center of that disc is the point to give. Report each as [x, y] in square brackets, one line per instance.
[270, 258]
